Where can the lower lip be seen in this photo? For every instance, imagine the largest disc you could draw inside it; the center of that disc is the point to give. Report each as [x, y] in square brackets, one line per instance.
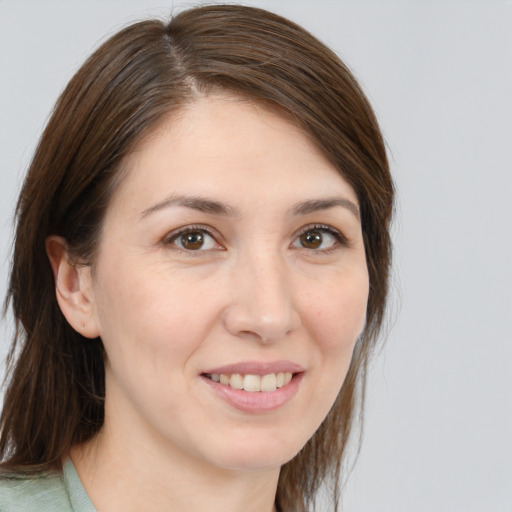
[258, 401]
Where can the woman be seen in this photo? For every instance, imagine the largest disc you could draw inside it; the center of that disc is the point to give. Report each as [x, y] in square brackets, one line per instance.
[199, 274]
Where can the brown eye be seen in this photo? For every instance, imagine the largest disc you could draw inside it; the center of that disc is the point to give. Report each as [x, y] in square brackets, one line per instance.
[319, 238]
[311, 239]
[192, 241]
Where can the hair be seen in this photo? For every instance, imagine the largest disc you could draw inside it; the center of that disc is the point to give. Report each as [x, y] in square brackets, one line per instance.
[137, 78]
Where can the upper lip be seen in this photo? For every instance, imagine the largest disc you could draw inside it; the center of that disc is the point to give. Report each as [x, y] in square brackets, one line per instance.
[256, 368]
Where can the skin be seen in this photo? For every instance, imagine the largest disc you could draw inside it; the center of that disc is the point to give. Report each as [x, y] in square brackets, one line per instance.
[251, 292]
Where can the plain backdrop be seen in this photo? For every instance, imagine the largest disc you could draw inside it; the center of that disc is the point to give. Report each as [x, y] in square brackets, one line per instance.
[438, 433]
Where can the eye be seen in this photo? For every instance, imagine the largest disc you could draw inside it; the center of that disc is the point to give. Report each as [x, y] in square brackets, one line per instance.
[320, 238]
[193, 239]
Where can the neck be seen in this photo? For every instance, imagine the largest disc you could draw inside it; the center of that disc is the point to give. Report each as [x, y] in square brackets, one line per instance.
[120, 474]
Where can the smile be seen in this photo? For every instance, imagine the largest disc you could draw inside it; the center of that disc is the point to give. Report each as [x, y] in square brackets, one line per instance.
[252, 383]
[252, 393]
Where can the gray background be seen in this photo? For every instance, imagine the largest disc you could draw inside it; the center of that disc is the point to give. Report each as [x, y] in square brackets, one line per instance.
[439, 418]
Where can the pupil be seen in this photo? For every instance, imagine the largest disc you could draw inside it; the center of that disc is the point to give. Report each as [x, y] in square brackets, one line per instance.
[192, 241]
[311, 239]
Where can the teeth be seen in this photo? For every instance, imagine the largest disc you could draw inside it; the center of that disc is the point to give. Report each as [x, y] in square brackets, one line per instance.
[268, 382]
[236, 381]
[253, 383]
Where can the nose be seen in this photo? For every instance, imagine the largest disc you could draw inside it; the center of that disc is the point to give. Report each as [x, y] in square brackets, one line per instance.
[262, 305]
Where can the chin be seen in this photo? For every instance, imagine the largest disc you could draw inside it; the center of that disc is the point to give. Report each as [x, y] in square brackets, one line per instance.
[254, 454]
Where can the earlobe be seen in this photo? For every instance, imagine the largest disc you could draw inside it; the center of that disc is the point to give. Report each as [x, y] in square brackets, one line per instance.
[72, 288]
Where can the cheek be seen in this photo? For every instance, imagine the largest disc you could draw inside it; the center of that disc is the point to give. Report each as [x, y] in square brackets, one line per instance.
[336, 318]
[150, 315]
[338, 313]
[150, 331]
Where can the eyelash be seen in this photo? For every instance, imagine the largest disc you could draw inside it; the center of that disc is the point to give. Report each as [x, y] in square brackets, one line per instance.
[339, 237]
[323, 228]
[171, 237]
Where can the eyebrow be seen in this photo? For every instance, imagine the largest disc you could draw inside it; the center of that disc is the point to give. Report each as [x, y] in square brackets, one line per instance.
[201, 204]
[315, 205]
[214, 207]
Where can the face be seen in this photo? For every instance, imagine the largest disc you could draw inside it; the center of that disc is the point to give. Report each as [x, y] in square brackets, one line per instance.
[229, 287]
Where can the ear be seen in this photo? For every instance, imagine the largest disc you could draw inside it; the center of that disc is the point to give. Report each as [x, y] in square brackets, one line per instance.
[73, 288]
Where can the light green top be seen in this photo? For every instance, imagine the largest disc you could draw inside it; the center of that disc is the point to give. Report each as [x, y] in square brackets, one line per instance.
[46, 493]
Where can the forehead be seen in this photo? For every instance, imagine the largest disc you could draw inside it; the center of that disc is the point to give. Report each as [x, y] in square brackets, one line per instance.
[226, 145]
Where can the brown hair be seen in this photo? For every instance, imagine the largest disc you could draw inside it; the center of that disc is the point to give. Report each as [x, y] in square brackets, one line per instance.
[146, 71]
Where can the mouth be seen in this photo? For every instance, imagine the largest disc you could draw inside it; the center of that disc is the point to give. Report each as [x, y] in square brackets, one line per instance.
[252, 383]
[254, 376]
[255, 387]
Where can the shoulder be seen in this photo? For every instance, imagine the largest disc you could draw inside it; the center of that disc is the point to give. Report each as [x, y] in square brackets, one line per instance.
[41, 493]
